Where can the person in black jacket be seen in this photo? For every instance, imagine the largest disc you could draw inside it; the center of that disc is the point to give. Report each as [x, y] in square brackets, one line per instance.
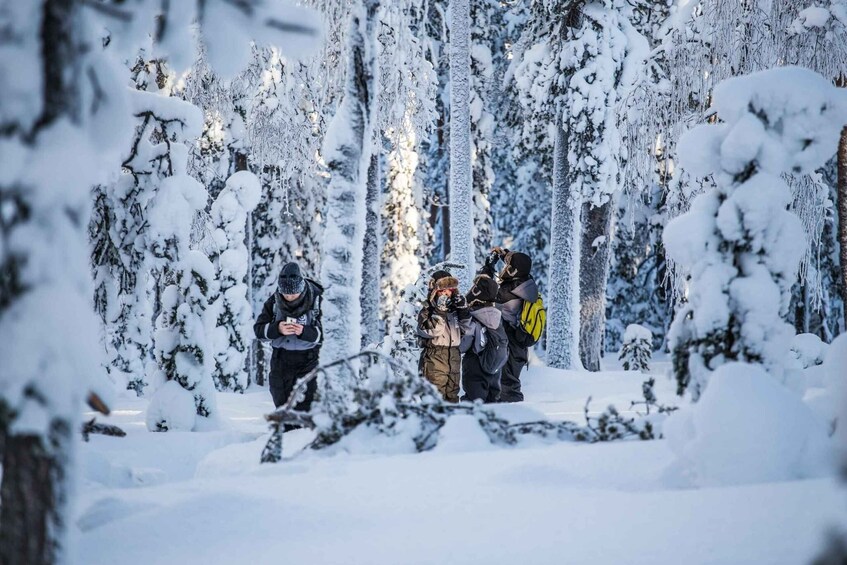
[291, 321]
[516, 287]
[484, 343]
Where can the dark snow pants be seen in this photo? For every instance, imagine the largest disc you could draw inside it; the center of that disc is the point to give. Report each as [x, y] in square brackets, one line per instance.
[478, 384]
[441, 365]
[287, 367]
[510, 377]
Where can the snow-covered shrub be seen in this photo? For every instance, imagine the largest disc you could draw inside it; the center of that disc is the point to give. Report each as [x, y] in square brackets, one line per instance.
[637, 349]
[805, 363]
[233, 332]
[747, 428]
[739, 242]
[807, 350]
[171, 409]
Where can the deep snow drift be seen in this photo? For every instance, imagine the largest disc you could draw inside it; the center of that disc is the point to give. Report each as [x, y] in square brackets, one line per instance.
[181, 497]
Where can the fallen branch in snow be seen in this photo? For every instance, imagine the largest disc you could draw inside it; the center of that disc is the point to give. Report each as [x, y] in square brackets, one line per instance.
[384, 394]
[611, 425]
[92, 427]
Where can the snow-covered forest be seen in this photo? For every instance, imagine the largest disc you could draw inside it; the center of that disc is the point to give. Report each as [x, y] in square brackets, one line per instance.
[393, 281]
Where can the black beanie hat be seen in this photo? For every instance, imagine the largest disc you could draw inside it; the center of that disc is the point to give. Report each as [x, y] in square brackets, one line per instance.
[484, 289]
[517, 265]
[290, 280]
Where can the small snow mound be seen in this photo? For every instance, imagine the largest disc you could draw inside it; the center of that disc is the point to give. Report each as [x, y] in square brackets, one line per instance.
[748, 428]
[807, 350]
[461, 434]
[515, 412]
[171, 409]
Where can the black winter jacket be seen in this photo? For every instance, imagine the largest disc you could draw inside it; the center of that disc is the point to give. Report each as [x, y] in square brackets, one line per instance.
[306, 310]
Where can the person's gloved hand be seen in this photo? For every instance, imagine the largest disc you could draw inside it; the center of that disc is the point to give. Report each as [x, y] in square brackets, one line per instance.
[459, 301]
[489, 266]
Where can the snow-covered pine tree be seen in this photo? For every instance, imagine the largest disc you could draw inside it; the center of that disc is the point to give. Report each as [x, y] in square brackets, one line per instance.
[347, 151]
[637, 292]
[149, 163]
[817, 39]
[574, 68]
[232, 333]
[740, 243]
[523, 171]
[407, 110]
[636, 348]
[542, 93]
[605, 52]
[461, 175]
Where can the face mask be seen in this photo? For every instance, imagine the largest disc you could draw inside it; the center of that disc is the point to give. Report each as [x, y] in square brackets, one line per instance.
[442, 301]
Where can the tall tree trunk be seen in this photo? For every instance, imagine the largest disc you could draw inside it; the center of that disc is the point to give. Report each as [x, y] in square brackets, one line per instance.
[842, 216]
[563, 282]
[461, 181]
[371, 257]
[34, 495]
[593, 275]
[348, 154]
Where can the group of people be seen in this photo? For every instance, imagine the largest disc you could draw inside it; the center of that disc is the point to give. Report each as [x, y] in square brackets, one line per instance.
[476, 336]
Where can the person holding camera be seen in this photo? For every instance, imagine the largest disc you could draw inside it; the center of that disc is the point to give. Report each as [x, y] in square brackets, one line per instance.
[484, 343]
[439, 334]
[291, 321]
[516, 288]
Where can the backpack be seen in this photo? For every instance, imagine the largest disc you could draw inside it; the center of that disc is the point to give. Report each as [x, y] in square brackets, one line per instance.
[495, 350]
[533, 320]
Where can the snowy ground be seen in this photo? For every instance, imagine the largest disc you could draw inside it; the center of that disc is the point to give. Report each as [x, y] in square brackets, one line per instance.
[203, 498]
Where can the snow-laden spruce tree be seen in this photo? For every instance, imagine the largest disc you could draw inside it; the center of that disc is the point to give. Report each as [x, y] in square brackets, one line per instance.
[738, 241]
[161, 129]
[347, 151]
[187, 282]
[461, 176]
[232, 335]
